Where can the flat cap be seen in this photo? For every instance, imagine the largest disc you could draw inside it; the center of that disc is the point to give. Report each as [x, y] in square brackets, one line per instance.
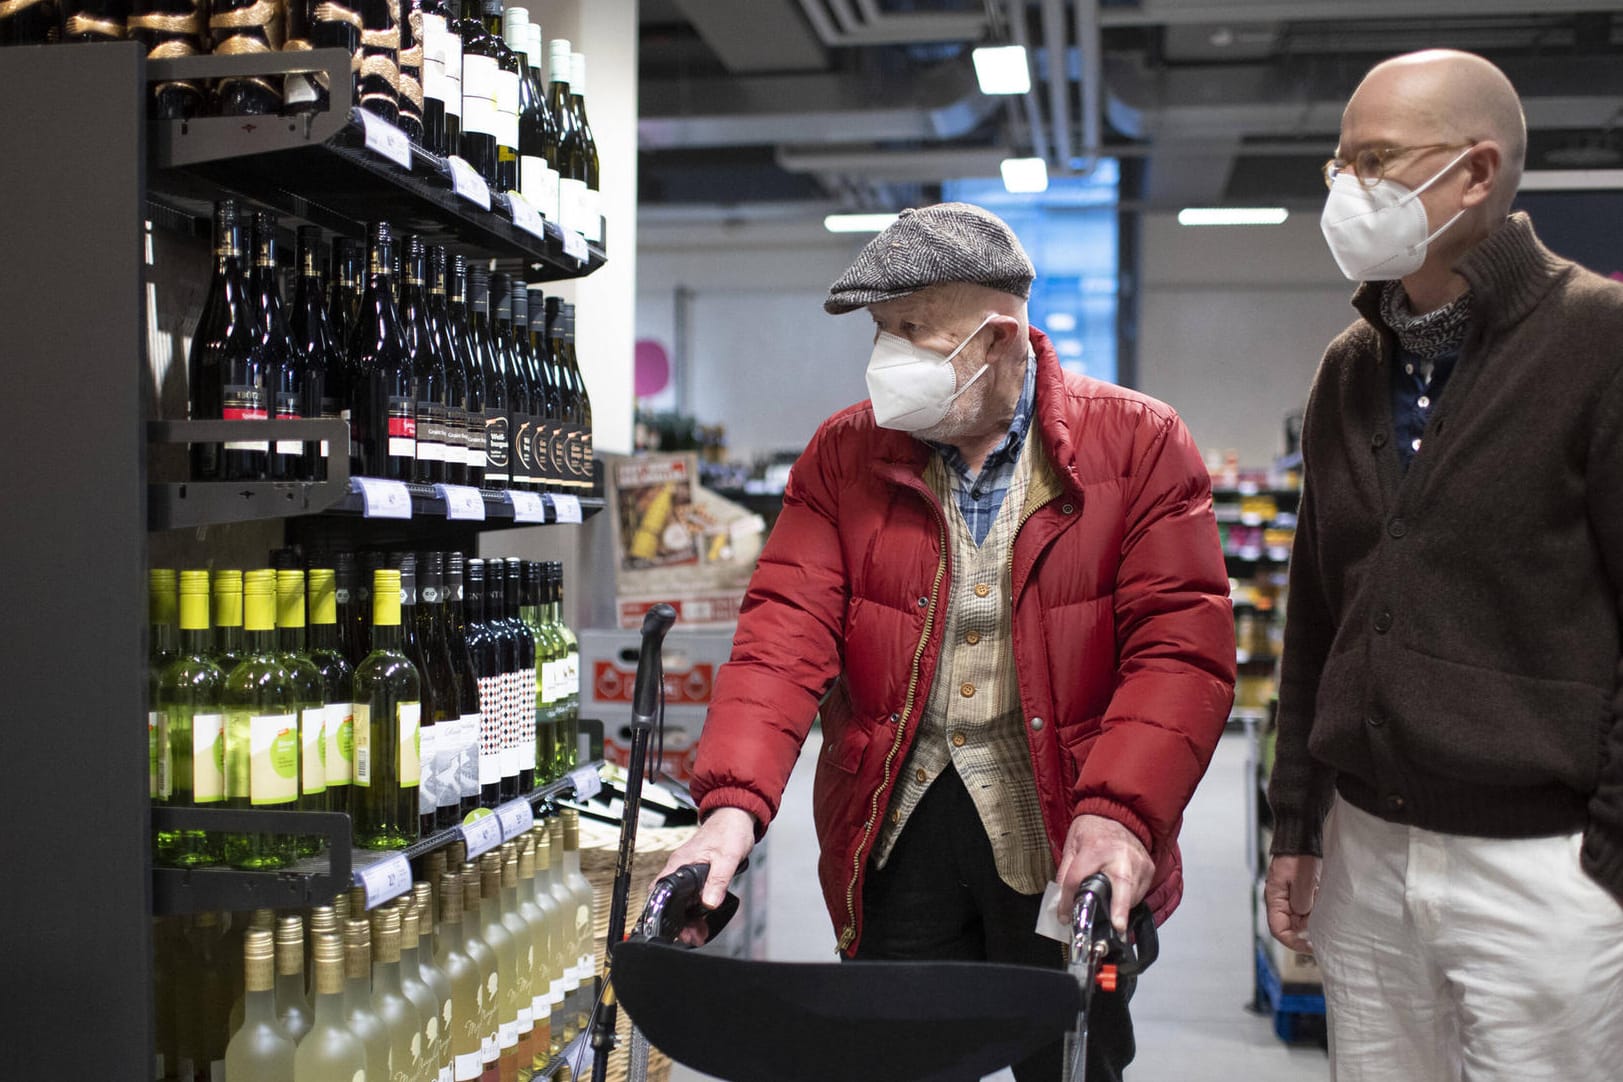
[947, 242]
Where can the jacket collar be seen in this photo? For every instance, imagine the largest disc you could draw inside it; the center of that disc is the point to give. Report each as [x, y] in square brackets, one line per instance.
[1509, 273]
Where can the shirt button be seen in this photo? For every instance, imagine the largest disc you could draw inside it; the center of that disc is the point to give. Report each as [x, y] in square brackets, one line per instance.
[1397, 527]
[1375, 721]
[1414, 445]
[1036, 725]
[1396, 802]
[1409, 368]
[975, 493]
[981, 589]
[1383, 621]
[972, 638]
[1424, 402]
[959, 740]
[1378, 440]
[967, 690]
[921, 775]
[896, 817]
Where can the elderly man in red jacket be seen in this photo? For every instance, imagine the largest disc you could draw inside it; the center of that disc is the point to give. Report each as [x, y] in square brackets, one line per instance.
[1001, 587]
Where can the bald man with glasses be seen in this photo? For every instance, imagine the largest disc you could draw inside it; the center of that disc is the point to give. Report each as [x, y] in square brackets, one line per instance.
[1448, 790]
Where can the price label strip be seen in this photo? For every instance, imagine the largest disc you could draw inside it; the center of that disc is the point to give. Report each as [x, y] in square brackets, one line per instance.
[380, 498]
[566, 508]
[575, 246]
[468, 183]
[525, 216]
[527, 506]
[516, 817]
[385, 139]
[586, 782]
[482, 835]
[462, 502]
[385, 879]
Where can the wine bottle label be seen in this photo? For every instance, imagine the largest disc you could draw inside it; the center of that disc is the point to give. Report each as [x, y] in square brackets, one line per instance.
[431, 431]
[560, 451]
[362, 717]
[165, 759]
[239, 403]
[312, 739]
[273, 765]
[409, 716]
[402, 427]
[338, 734]
[456, 434]
[539, 1004]
[532, 699]
[571, 686]
[432, 28]
[490, 735]
[451, 53]
[506, 97]
[447, 1073]
[496, 447]
[526, 1017]
[577, 454]
[478, 441]
[208, 758]
[428, 744]
[507, 1034]
[548, 196]
[217, 1070]
[479, 111]
[591, 215]
[300, 89]
[467, 1066]
[571, 204]
[468, 761]
[153, 724]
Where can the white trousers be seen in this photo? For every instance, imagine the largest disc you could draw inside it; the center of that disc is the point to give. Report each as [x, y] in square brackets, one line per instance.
[1456, 959]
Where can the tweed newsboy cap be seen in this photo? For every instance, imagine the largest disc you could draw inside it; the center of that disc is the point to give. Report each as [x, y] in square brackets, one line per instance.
[947, 242]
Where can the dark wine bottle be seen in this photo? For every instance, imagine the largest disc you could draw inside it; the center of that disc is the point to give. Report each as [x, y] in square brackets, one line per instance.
[537, 179]
[505, 655]
[335, 26]
[484, 654]
[227, 365]
[527, 700]
[427, 378]
[501, 300]
[388, 710]
[568, 399]
[469, 371]
[382, 422]
[411, 644]
[31, 24]
[442, 77]
[369, 562]
[380, 58]
[90, 21]
[546, 390]
[170, 28]
[566, 153]
[445, 715]
[534, 400]
[467, 682]
[452, 391]
[322, 388]
[352, 612]
[581, 453]
[481, 61]
[592, 205]
[411, 70]
[509, 26]
[284, 363]
[237, 28]
[302, 92]
[494, 395]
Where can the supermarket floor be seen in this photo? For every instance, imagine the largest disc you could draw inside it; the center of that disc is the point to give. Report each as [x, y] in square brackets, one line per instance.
[1190, 1010]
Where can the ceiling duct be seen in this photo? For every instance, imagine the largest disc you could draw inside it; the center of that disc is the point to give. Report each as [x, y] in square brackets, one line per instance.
[1177, 12]
[756, 35]
[860, 22]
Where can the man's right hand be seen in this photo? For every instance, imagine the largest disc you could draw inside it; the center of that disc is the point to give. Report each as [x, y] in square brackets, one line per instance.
[1288, 895]
[722, 841]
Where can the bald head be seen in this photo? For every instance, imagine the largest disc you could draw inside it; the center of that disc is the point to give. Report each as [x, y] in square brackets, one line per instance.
[1444, 96]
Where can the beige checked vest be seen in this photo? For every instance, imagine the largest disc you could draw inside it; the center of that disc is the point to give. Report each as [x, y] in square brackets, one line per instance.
[972, 719]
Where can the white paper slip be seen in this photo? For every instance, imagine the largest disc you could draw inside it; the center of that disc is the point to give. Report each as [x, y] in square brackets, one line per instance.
[1048, 922]
[527, 506]
[462, 502]
[516, 817]
[1004, 1075]
[386, 879]
[575, 245]
[525, 216]
[467, 182]
[380, 498]
[386, 139]
[586, 782]
[482, 835]
[566, 508]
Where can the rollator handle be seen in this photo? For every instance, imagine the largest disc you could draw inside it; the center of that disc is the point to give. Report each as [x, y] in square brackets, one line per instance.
[675, 902]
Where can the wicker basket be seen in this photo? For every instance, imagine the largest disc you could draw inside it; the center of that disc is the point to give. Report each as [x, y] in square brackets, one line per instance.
[599, 850]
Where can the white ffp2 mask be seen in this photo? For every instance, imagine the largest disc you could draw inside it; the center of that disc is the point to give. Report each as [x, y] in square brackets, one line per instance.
[912, 387]
[1378, 234]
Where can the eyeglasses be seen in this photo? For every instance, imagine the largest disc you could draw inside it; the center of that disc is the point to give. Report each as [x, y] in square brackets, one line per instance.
[1370, 164]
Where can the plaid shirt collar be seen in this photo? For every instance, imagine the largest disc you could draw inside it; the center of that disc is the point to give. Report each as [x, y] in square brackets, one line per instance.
[1006, 453]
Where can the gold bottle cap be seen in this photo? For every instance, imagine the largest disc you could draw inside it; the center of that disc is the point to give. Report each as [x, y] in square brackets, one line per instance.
[423, 894]
[543, 848]
[571, 819]
[340, 906]
[386, 935]
[456, 854]
[490, 874]
[451, 898]
[555, 830]
[329, 964]
[290, 946]
[510, 870]
[410, 929]
[206, 919]
[259, 960]
[357, 949]
[526, 861]
[357, 901]
[470, 889]
[263, 918]
[323, 921]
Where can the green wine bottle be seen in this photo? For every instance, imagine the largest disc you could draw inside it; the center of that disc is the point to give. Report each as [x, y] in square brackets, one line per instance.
[388, 710]
[229, 645]
[568, 674]
[188, 700]
[312, 710]
[161, 650]
[547, 649]
[261, 730]
[324, 647]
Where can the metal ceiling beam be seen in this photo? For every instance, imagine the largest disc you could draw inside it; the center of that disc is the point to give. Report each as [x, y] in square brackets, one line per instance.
[1173, 12]
[845, 27]
[756, 35]
[1055, 40]
[917, 166]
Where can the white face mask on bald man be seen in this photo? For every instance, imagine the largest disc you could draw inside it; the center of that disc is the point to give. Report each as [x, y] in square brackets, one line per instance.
[1379, 233]
[912, 387]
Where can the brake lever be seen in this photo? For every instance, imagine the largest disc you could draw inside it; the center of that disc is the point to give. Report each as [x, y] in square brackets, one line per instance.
[676, 901]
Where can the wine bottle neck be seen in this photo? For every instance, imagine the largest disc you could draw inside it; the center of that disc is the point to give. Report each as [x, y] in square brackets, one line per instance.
[290, 640]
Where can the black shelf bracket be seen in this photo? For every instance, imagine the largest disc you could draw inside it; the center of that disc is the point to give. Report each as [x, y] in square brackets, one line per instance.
[209, 138]
[191, 890]
[182, 504]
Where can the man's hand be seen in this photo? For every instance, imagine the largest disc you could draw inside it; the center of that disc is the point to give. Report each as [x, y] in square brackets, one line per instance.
[722, 841]
[1289, 893]
[1098, 844]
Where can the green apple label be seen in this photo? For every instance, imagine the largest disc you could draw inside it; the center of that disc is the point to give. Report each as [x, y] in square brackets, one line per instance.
[208, 758]
[273, 776]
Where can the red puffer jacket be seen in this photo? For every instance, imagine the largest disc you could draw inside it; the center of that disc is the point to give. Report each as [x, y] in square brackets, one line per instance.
[1123, 634]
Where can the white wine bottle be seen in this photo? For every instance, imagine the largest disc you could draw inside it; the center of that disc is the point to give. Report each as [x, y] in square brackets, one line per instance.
[428, 965]
[363, 1020]
[535, 929]
[484, 958]
[261, 730]
[570, 948]
[561, 924]
[188, 699]
[548, 983]
[500, 939]
[162, 648]
[290, 611]
[325, 650]
[388, 710]
[463, 973]
[229, 647]
[292, 1006]
[330, 1052]
[581, 891]
[398, 1014]
[523, 958]
[436, 1042]
[261, 1051]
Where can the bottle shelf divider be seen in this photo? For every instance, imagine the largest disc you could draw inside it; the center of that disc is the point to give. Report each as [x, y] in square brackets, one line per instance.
[180, 504]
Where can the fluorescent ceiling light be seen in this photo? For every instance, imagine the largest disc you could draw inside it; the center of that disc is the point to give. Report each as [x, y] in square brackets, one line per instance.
[1002, 69]
[1232, 216]
[1571, 180]
[1024, 175]
[857, 223]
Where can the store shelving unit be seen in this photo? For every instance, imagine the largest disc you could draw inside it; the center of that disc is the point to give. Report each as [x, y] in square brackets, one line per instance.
[86, 173]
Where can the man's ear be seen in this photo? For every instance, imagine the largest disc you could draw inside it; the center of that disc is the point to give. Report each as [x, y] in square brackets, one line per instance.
[1006, 339]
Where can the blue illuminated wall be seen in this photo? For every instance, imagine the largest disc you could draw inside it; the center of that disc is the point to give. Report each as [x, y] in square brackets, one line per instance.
[1070, 233]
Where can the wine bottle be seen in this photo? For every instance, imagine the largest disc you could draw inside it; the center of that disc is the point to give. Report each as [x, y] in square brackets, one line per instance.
[303, 93]
[428, 377]
[505, 654]
[565, 941]
[190, 725]
[362, 1019]
[481, 62]
[370, 561]
[442, 78]
[548, 663]
[261, 1050]
[467, 684]
[240, 27]
[261, 730]
[525, 384]
[580, 452]
[169, 28]
[436, 1043]
[91, 21]
[482, 652]
[353, 610]
[567, 154]
[494, 382]
[230, 646]
[488, 963]
[592, 196]
[428, 731]
[508, 68]
[546, 389]
[467, 373]
[311, 692]
[320, 390]
[549, 947]
[344, 288]
[501, 333]
[337, 679]
[569, 729]
[162, 648]
[293, 1009]
[568, 400]
[398, 1014]
[330, 1052]
[581, 891]
[447, 368]
[226, 367]
[440, 811]
[528, 694]
[536, 1011]
[411, 70]
[284, 364]
[538, 180]
[380, 58]
[388, 710]
[202, 998]
[519, 1055]
[382, 420]
[467, 984]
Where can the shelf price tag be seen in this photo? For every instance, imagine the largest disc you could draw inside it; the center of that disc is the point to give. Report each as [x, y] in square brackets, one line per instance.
[380, 498]
[385, 879]
[575, 245]
[482, 834]
[525, 216]
[566, 508]
[586, 782]
[468, 183]
[462, 502]
[527, 506]
[516, 817]
[385, 139]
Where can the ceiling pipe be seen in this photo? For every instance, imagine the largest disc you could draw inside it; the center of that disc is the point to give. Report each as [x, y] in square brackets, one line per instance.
[1201, 12]
[1059, 110]
[883, 29]
[1028, 100]
[1089, 85]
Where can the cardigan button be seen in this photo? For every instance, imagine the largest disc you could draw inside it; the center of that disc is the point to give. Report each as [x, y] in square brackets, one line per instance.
[1383, 621]
[1396, 802]
[1397, 527]
[1378, 440]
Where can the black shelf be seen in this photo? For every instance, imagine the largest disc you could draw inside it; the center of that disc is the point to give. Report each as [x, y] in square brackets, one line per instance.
[317, 168]
[180, 504]
[426, 503]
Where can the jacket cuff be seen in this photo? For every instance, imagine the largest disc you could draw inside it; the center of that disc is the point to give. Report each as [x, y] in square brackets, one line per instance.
[1602, 860]
[1121, 813]
[744, 800]
[1297, 835]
